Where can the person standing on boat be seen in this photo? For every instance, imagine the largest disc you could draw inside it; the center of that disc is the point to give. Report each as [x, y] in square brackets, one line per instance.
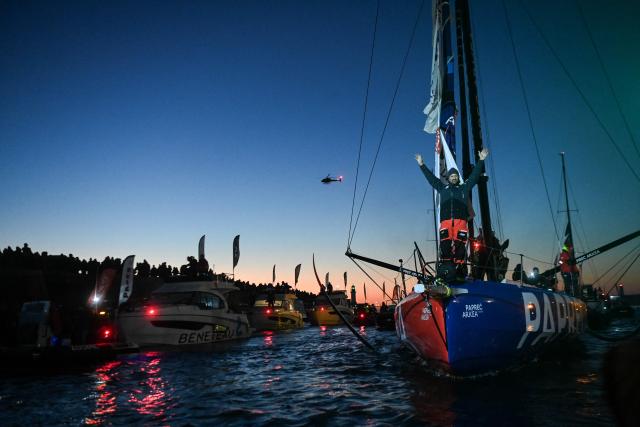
[454, 212]
[569, 270]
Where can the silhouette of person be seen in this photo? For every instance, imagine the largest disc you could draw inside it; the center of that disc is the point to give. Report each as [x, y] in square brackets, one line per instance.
[454, 210]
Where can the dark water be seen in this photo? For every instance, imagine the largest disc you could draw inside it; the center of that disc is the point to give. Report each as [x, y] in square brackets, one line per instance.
[311, 377]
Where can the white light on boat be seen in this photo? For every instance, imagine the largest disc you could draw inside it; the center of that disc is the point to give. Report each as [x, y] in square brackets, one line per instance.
[96, 299]
[418, 288]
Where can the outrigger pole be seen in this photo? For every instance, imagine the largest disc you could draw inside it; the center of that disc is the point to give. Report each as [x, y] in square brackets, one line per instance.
[398, 268]
[582, 258]
[323, 289]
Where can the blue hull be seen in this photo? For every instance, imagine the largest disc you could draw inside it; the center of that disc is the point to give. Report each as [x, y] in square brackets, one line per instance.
[487, 326]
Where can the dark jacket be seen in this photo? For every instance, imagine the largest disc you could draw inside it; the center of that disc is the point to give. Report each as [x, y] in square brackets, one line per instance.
[453, 198]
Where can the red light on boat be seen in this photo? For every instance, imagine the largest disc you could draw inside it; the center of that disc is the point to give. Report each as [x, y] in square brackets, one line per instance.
[105, 333]
[362, 315]
[151, 311]
[321, 308]
[268, 311]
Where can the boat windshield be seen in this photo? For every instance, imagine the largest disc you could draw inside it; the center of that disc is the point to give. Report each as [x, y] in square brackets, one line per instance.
[264, 303]
[203, 300]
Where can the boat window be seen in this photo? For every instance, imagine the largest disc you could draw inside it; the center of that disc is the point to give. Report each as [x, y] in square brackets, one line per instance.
[172, 298]
[208, 301]
[264, 303]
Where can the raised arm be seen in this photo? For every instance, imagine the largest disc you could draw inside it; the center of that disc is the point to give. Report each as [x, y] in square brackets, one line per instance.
[477, 169]
[433, 180]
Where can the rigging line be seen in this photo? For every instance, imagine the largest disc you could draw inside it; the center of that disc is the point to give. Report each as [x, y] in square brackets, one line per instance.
[364, 117]
[581, 231]
[370, 278]
[528, 257]
[386, 123]
[625, 272]
[582, 95]
[615, 265]
[557, 244]
[607, 78]
[526, 103]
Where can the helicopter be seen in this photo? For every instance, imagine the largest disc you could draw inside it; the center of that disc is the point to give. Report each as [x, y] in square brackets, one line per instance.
[329, 179]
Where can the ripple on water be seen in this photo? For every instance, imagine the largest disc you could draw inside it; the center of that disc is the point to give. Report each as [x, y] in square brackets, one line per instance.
[308, 377]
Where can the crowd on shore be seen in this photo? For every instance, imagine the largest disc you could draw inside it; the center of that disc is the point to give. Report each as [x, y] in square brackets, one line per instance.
[24, 259]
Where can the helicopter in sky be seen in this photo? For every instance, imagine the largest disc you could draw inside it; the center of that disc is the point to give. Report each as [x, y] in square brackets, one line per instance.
[329, 179]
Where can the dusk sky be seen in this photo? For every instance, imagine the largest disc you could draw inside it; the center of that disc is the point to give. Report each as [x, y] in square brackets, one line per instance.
[136, 127]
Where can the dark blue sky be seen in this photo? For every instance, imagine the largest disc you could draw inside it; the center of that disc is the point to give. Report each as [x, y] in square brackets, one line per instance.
[136, 127]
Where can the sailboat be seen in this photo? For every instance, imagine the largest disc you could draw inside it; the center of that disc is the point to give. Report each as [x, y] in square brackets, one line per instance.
[473, 326]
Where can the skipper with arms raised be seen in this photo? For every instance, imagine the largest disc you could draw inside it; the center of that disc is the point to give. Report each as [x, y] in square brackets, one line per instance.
[454, 212]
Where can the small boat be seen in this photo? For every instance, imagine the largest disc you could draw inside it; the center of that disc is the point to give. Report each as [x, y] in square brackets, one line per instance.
[282, 314]
[620, 307]
[385, 320]
[324, 315]
[299, 305]
[43, 343]
[184, 313]
[364, 315]
[598, 309]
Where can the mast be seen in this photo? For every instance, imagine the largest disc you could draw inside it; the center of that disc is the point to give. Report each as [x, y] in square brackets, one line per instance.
[466, 158]
[462, 14]
[566, 199]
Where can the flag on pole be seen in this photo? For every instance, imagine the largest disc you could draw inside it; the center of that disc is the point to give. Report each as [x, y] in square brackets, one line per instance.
[364, 287]
[568, 236]
[345, 280]
[432, 110]
[443, 162]
[396, 291]
[297, 274]
[236, 250]
[384, 292]
[126, 282]
[326, 279]
[274, 274]
[201, 248]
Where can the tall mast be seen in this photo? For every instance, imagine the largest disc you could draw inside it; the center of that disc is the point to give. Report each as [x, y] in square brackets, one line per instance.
[569, 236]
[466, 158]
[462, 8]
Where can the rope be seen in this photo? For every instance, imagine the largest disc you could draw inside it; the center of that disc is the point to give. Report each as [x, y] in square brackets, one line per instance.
[607, 78]
[364, 118]
[526, 104]
[386, 123]
[582, 95]
[625, 272]
[616, 264]
[584, 241]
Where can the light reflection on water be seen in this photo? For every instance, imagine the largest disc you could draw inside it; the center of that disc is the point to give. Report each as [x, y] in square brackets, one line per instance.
[106, 401]
[149, 399]
[308, 377]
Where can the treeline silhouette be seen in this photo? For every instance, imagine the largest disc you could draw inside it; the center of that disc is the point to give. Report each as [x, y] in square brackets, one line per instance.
[68, 281]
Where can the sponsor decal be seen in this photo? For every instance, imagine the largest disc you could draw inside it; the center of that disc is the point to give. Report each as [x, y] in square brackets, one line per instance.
[201, 337]
[426, 312]
[548, 316]
[472, 310]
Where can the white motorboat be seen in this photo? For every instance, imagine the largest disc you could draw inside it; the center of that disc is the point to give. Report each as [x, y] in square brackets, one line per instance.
[184, 313]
